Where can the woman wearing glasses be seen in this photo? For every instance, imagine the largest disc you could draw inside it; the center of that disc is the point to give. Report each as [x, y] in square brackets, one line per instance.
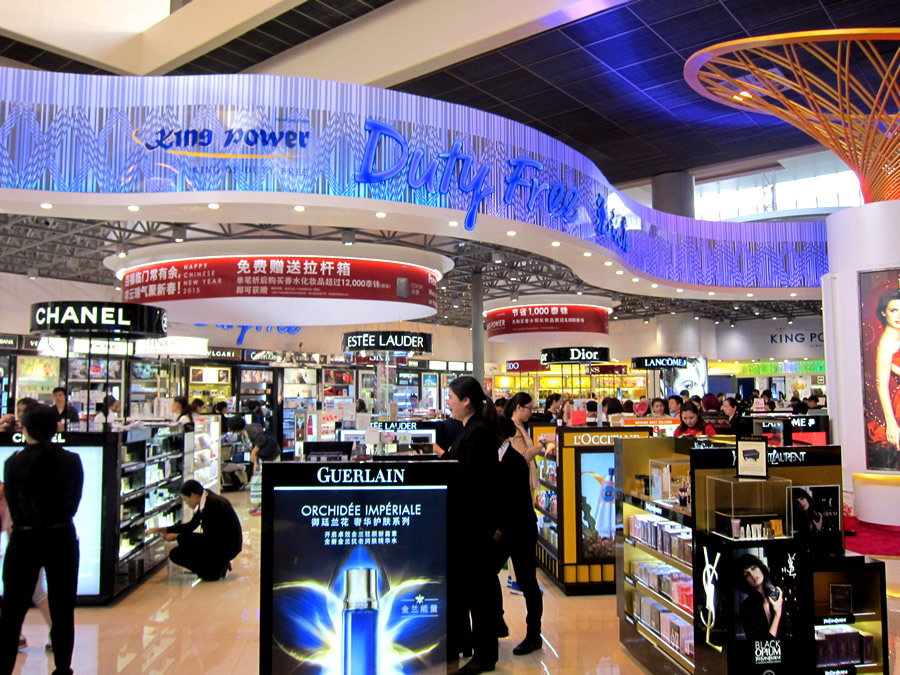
[519, 409]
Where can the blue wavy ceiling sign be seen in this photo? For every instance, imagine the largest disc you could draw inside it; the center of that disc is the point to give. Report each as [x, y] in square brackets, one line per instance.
[265, 133]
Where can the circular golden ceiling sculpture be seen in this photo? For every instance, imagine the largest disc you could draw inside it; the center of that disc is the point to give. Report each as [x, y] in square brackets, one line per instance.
[838, 86]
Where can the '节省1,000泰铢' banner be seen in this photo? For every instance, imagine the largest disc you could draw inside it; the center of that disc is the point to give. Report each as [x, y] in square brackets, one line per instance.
[356, 568]
[879, 299]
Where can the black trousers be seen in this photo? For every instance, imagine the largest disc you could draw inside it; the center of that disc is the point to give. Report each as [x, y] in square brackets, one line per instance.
[521, 551]
[195, 552]
[483, 603]
[56, 550]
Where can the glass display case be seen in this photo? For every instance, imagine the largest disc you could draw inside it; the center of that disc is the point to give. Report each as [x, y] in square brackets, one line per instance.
[36, 376]
[748, 508]
[153, 383]
[202, 458]
[92, 379]
[406, 391]
[258, 384]
[211, 384]
[299, 392]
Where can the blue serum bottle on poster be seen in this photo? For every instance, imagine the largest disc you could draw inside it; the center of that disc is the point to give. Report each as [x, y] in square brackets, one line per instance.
[360, 622]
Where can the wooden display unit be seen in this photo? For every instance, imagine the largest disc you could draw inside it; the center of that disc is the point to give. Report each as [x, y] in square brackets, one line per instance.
[576, 523]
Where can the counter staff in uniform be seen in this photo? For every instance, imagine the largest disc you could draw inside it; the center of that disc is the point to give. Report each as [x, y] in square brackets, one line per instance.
[207, 554]
[43, 489]
[65, 412]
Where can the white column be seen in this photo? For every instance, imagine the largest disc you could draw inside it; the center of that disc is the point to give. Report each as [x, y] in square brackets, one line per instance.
[859, 239]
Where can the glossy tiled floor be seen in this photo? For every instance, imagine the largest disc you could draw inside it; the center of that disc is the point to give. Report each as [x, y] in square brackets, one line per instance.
[175, 625]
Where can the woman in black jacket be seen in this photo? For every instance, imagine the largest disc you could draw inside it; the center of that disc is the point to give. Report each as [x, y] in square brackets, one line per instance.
[474, 539]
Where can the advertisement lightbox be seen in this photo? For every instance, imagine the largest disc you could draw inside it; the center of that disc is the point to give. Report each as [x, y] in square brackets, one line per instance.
[354, 565]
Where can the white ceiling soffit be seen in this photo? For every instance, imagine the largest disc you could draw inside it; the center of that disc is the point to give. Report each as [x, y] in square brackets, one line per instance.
[409, 38]
[134, 37]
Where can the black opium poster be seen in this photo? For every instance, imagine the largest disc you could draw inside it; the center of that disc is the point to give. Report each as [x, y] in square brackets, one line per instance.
[356, 568]
[751, 600]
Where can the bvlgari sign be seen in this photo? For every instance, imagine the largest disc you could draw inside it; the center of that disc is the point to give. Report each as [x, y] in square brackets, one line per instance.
[114, 319]
[386, 340]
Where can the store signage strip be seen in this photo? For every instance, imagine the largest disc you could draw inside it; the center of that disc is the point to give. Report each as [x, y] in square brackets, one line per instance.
[585, 355]
[386, 341]
[98, 319]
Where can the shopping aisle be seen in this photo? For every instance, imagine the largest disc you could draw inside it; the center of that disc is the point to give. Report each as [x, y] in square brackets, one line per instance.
[178, 625]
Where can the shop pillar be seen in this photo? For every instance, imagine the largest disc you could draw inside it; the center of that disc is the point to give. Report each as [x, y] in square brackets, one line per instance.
[680, 334]
[860, 239]
[674, 193]
[478, 327]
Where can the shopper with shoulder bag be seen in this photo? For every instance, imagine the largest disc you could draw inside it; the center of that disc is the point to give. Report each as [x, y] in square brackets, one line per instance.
[264, 448]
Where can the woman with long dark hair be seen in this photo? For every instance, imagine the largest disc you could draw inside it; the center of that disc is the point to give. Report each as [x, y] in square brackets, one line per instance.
[477, 519]
[887, 365]
[808, 509]
[519, 409]
[692, 422]
[181, 409]
[762, 611]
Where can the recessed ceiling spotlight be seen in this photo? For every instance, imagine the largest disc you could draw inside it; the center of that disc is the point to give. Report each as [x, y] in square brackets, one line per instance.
[756, 313]
[790, 322]
[718, 322]
[620, 272]
[646, 320]
[178, 233]
[579, 289]
[299, 209]
[117, 286]
[736, 307]
[615, 318]
[212, 205]
[588, 254]
[749, 295]
[498, 258]
[635, 279]
[121, 251]
[443, 288]
[134, 208]
[710, 292]
[348, 238]
[555, 243]
[510, 233]
[679, 290]
[455, 306]
[33, 273]
[608, 263]
[696, 318]
[771, 358]
[514, 297]
[453, 223]
[380, 214]
[806, 358]
[514, 278]
[672, 313]
[654, 285]
[731, 326]
[793, 295]
[774, 318]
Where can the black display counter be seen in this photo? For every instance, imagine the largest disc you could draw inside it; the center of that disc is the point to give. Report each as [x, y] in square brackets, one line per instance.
[749, 576]
[354, 564]
[131, 483]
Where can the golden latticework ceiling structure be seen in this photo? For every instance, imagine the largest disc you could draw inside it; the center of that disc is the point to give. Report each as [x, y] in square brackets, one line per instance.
[839, 86]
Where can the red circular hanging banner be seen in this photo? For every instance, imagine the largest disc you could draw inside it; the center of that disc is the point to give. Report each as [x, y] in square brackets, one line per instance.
[281, 277]
[544, 318]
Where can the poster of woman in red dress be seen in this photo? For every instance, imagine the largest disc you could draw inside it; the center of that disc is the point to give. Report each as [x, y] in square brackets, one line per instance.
[879, 294]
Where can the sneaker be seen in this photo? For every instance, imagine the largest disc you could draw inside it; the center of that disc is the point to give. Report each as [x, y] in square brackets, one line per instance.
[23, 643]
[514, 588]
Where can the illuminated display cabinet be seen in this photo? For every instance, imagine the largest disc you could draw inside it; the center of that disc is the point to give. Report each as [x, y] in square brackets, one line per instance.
[693, 592]
[575, 503]
[131, 483]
